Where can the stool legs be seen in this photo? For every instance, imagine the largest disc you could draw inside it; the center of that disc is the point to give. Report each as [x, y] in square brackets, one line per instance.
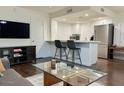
[79, 56]
[73, 55]
[55, 52]
[60, 53]
[65, 53]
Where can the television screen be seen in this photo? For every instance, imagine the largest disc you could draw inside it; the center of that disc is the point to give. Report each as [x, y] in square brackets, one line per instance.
[9, 29]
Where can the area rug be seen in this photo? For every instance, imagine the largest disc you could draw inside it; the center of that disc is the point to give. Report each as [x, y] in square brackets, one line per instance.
[37, 80]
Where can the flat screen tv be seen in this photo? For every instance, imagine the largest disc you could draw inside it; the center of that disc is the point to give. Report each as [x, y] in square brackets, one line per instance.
[9, 29]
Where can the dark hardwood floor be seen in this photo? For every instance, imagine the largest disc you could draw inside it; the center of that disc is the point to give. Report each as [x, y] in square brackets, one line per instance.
[114, 68]
[26, 70]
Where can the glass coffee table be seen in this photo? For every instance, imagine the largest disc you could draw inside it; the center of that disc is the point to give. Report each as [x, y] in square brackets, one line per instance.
[71, 74]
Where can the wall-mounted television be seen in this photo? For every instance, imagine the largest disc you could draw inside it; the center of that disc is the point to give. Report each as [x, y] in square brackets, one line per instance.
[10, 29]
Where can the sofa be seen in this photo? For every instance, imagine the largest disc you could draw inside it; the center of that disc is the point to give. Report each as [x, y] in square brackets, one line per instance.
[11, 77]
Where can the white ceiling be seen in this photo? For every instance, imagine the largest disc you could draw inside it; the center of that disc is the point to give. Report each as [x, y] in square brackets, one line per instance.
[75, 17]
[79, 17]
[50, 9]
[116, 9]
[47, 9]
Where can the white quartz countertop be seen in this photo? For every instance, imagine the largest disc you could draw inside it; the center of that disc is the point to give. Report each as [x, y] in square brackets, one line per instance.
[79, 41]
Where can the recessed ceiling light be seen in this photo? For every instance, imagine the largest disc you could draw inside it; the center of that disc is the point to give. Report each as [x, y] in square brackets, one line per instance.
[86, 14]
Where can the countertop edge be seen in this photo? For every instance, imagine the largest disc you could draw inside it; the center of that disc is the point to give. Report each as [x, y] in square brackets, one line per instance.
[80, 41]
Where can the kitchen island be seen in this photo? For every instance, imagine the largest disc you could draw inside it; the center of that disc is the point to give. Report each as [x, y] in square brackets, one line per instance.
[89, 50]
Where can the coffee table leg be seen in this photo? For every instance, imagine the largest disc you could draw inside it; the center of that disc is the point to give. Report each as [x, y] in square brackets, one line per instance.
[50, 79]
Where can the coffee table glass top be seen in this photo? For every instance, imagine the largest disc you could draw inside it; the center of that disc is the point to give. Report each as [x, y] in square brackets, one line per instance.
[70, 73]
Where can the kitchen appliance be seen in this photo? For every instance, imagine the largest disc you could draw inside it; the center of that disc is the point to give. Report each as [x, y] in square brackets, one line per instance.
[75, 37]
[104, 34]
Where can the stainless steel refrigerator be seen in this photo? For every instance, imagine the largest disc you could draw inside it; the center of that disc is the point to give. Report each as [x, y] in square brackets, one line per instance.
[104, 34]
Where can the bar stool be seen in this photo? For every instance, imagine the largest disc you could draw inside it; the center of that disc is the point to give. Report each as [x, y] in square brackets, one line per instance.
[72, 47]
[59, 46]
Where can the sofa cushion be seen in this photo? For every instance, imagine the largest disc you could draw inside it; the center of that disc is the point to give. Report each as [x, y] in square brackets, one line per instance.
[12, 78]
[1, 66]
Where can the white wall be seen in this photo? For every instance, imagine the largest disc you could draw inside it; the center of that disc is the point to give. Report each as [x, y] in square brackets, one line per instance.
[54, 29]
[119, 35]
[38, 27]
[76, 29]
[63, 31]
[60, 31]
[119, 31]
[84, 29]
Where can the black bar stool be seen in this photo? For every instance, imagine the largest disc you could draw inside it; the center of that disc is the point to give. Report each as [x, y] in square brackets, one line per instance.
[72, 47]
[59, 46]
